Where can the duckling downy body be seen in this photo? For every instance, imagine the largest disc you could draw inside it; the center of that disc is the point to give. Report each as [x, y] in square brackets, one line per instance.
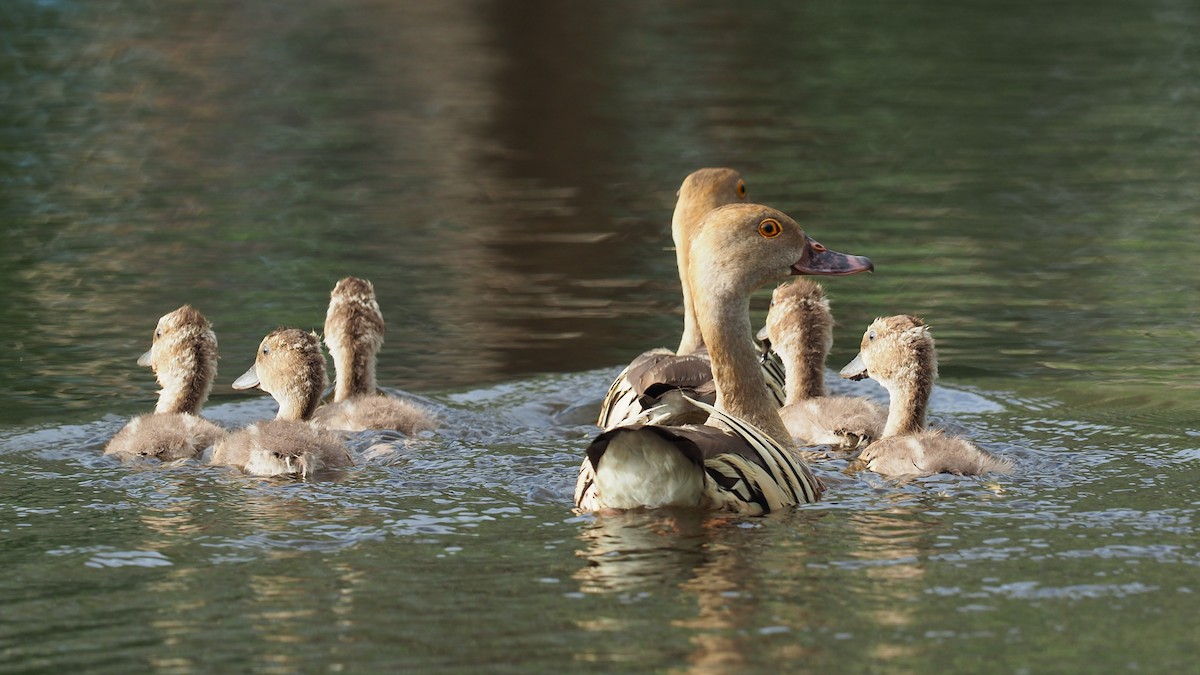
[744, 459]
[898, 352]
[183, 354]
[800, 329]
[663, 376]
[291, 367]
[354, 330]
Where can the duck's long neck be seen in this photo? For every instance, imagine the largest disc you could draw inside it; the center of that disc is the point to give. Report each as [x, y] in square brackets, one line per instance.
[302, 397]
[681, 226]
[298, 407]
[186, 383]
[805, 365]
[909, 393]
[741, 388]
[355, 372]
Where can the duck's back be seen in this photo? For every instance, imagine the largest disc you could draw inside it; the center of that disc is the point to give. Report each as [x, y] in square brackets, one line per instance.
[928, 453]
[368, 411]
[279, 447]
[840, 421]
[164, 436]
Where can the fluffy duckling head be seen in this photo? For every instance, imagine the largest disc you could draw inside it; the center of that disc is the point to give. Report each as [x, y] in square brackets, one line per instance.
[899, 353]
[894, 348]
[290, 366]
[354, 331]
[183, 355]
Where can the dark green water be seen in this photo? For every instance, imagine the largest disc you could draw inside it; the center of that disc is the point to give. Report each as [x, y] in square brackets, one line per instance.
[1026, 176]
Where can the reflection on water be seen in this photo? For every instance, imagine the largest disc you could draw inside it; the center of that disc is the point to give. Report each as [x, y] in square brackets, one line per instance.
[1023, 176]
[631, 550]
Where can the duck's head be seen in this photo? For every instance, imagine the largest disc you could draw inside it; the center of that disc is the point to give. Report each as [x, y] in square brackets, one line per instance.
[702, 191]
[705, 189]
[183, 355]
[290, 366]
[739, 248]
[894, 348]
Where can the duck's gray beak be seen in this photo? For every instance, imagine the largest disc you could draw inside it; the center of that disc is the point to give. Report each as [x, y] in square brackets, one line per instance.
[820, 260]
[144, 359]
[764, 336]
[855, 370]
[248, 380]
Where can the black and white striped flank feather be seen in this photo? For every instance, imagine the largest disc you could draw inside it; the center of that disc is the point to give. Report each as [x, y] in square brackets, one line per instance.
[735, 467]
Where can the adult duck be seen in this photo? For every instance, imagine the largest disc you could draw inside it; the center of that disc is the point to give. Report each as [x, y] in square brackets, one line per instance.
[664, 377]
[354, 330]
[899, 353]
[183, 355]
[290, 367]
[799, 328]
[743, 459]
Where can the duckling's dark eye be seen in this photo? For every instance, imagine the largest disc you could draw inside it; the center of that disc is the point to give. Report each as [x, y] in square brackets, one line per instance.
[741, 189]
[770, 228]
[266, 350]
[871, 335]
[158, 333]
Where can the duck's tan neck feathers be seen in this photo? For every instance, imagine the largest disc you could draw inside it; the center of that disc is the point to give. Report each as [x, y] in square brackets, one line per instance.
[308, 386]
[741, 388]
[910, 382]
[800, 327]
[190, 390]
[354, 330]
[702, 191]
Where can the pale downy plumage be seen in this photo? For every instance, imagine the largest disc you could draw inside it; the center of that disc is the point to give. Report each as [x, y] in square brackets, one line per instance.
[661, 376]
[800, 329]
[354, 330]
[743, 460]
[291, 367]
[898, 352]
[183, 354]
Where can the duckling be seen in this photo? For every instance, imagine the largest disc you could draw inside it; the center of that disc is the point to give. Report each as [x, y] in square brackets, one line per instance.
[800, 329]
[183, 355]
[291, 367]
[899, 353]
[663, 377]
[742, 459]
[354, 331]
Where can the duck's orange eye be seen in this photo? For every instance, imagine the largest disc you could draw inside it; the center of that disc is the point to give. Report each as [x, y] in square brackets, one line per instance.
[770, 228]
[741, 189]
